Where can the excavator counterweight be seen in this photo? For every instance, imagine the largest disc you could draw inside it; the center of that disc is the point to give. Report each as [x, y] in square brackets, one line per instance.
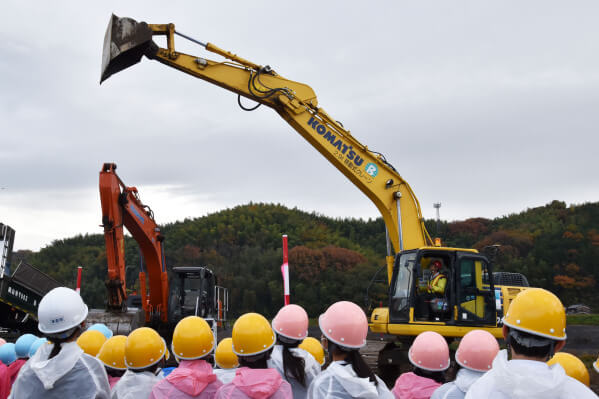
[125, 42]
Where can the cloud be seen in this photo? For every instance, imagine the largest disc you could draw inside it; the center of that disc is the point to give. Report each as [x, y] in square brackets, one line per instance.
[487, 108]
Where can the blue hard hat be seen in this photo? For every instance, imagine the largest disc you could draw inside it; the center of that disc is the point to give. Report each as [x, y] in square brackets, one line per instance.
[103, 329]
[23, 344]
[35, 345]
[7, 353]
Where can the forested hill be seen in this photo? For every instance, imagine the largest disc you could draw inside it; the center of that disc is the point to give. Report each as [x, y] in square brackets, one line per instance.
[555, 246]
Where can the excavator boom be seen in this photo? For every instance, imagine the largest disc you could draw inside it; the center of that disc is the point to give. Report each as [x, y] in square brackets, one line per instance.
[121, 207]
[126, 41]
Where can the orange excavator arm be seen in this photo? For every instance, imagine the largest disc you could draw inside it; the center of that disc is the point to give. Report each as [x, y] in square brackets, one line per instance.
[121, 207]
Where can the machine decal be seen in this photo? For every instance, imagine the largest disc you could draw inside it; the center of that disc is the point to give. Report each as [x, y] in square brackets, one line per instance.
[372, 169]
[137, 215]
[344, 152]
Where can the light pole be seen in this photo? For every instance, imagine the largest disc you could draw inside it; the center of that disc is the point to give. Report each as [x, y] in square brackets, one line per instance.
[437, 205]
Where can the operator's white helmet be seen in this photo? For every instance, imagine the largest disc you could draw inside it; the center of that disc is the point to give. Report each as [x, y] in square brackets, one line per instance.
[60, 310]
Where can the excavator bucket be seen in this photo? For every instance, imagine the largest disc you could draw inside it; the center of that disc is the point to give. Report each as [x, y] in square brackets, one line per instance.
[125, 42]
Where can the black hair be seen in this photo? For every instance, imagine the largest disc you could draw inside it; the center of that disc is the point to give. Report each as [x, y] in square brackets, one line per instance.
[114, 372]
[530, 345]
[58, 341]
[258, 361]
[152, 369]
[438, 376]
[353, 357]
[293, 366]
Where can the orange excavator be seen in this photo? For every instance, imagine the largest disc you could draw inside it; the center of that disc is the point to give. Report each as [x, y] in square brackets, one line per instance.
[193, 289]
[121, 207]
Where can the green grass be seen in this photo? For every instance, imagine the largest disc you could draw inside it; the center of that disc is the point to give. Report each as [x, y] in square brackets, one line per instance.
[583, 319]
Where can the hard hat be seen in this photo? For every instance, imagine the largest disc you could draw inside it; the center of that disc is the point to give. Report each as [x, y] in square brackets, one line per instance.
[143, 348]
[437, 263]
[477, 350]
[103, 328]
[224, 356]
[291, 322]
[596, 365]
[345, 324]
[23, 344]
[7, 353]
[112, 353]
[429, 351]
[60, 310]
[36, 344]
[573, 366]
[192, 338]
[167, 353]
[252, 335]
[537, 312]
[91, 341]
[313, 347]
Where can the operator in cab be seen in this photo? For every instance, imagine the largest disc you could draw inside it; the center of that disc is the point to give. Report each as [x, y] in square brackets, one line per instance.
[432, 293]
[437, 280]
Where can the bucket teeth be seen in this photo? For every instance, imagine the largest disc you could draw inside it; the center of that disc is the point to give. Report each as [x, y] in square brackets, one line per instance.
[125, 42]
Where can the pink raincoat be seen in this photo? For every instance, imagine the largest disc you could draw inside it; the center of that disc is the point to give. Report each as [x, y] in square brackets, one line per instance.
[14, 368]
[4, 381]
[256, 384]
[412, 386]
[113, 380]
[192, 379]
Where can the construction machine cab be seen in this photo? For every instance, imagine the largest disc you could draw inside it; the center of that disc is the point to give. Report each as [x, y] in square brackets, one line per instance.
[468, 297]
[193, 293]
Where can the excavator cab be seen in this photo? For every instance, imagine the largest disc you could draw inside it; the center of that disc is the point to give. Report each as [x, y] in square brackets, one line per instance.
[467, 299]
[193, 293]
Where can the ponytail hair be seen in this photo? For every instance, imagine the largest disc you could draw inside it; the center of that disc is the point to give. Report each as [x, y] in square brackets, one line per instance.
[353, 357]
[293, 366]
[59, 339]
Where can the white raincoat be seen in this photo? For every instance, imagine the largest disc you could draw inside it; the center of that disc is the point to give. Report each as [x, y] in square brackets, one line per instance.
[457, 389]
[311, 367]
[225, 375]
[339, 380]
[69, 374]
[527, 379]
[134, 385]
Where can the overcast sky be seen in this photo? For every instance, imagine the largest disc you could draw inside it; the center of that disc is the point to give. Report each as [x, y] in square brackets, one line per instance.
[487, 107]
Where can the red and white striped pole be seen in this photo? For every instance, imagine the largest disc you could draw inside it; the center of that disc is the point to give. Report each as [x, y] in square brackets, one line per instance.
[285, 271]
[78, 289]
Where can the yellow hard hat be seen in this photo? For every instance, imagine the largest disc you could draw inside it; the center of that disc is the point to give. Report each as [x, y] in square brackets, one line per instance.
[573, 366]
[224, 356]
[112, 353]
[144, 348]
[192, 339]
[252, 334]
[596, 365]
[167, 353]
[537, 312]
[91, 341]
[313, 346]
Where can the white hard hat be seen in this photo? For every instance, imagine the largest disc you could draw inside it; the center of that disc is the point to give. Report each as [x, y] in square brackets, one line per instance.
[60, 310]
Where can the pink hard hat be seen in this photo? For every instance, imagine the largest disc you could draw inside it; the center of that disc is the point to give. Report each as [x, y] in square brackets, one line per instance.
[291, 322]
[345, 324]
[477, 350]
[429, 351]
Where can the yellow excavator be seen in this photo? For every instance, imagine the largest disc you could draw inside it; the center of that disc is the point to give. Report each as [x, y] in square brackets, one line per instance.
[470, 298]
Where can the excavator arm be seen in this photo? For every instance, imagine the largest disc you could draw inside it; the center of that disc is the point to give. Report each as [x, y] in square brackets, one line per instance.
[121, 207]
[126, 41]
